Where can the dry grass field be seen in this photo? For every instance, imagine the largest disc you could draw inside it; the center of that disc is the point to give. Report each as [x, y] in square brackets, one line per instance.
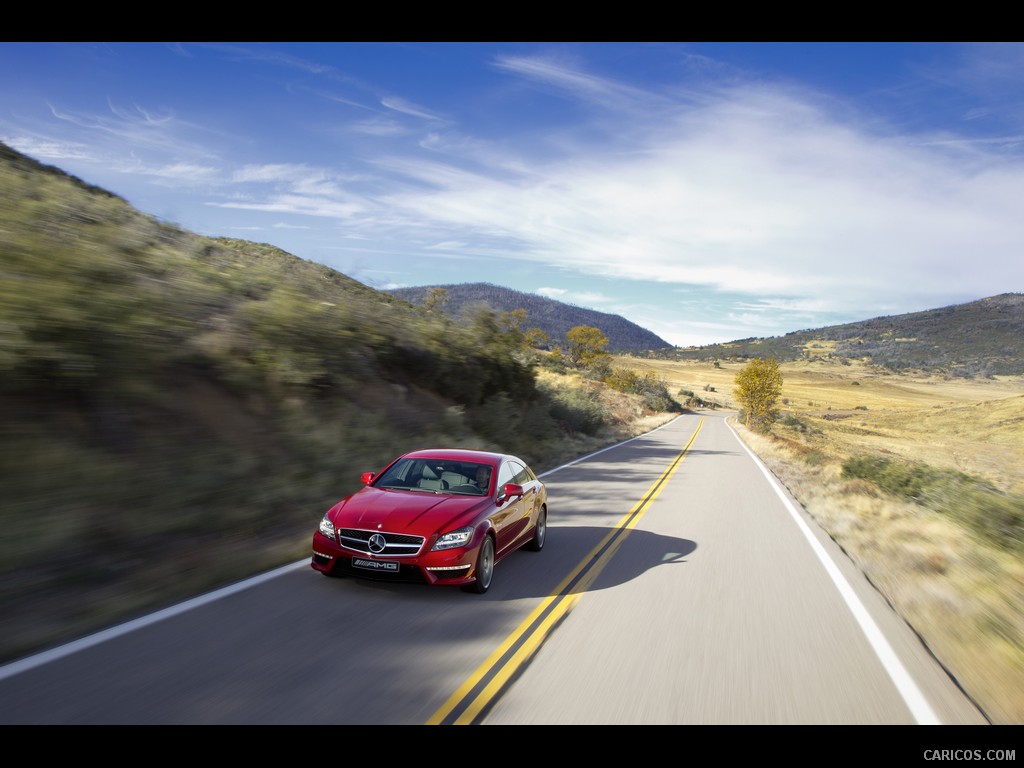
[962, 595]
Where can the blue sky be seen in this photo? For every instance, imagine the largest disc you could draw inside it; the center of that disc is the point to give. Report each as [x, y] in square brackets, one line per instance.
[705, 191]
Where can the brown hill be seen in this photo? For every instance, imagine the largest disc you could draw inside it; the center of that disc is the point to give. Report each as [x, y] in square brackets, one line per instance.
[979, 338]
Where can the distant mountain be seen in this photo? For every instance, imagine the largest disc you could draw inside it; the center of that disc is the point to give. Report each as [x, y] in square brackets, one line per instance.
[555, 318]
[979, 338]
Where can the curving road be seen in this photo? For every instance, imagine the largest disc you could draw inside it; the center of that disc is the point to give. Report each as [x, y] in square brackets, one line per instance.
[679, 585]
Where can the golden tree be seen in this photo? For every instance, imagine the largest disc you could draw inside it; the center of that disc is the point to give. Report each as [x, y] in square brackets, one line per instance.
[586, 345]
[758, 386]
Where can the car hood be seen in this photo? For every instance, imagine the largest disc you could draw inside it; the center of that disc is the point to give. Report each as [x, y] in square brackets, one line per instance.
[402, 511]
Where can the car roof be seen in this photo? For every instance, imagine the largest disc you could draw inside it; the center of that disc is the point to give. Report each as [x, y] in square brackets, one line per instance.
[459, 454]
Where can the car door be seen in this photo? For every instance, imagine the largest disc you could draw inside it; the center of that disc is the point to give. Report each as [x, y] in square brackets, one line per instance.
[517, 510]
[508, 511]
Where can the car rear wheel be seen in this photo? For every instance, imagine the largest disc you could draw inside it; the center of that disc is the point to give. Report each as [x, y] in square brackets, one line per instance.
[484, 568]
[536, 544]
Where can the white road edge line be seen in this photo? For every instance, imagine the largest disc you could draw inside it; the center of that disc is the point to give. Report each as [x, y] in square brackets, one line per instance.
[912, 696]
[30, 662]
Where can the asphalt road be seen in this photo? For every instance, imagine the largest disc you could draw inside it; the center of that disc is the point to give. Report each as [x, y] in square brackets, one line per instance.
[679, 586]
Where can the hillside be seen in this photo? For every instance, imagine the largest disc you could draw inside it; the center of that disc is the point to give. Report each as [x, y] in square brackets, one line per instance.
[979, 338]
[553, 317]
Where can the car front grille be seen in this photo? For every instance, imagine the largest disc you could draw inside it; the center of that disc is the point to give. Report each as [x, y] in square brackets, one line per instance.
[396, 544]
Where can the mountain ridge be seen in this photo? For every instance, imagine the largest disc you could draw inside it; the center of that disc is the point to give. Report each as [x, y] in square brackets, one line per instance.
[553, 317]
[984, 337]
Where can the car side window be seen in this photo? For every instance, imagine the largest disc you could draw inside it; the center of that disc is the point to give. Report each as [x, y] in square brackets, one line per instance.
[506, 474]
[395, 475]
[521, 475]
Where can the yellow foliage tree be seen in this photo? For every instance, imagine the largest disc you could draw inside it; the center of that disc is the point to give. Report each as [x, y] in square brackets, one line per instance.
[586, 345]
[758, 386]
[535, 338]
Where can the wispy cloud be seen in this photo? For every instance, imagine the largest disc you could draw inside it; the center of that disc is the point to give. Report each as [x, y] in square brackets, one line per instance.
[274, 172]
[189, 173]
[297, 205]
[408, 108]
[573, 81]
[273, 56]
[138, 128]
[49, 149]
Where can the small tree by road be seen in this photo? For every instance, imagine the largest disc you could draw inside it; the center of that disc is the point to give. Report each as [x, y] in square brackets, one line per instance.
[758, 386]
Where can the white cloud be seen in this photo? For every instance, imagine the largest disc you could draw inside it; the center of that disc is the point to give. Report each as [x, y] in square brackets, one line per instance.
[567, 77]
[552, 293]
[306, 206]
[758, 192]
[49, 149]
[188, 172]
[447, 245]
[274, 172]
[408, 108]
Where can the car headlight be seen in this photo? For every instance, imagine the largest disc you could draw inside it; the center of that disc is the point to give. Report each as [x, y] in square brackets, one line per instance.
[459, 538]
[327, 527]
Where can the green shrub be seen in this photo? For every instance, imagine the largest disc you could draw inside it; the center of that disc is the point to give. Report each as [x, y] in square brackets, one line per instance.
[902, 480]
[576, 409]
[791, 421]
[814, 458]
[998, 517]
[653, 390]
[991, 514]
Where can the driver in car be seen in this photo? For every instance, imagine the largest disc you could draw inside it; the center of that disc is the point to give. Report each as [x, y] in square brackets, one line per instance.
[483, 477]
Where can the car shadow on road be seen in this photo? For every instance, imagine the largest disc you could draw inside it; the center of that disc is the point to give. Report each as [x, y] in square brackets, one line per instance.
[574, 559]
[584, 558]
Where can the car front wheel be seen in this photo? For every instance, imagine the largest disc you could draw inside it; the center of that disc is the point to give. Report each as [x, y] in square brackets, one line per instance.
[484, 568]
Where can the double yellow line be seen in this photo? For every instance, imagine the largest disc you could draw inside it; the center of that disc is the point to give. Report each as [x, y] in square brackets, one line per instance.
[469, 702]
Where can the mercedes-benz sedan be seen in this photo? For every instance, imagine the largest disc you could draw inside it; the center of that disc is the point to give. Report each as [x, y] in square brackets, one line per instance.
[443, 516]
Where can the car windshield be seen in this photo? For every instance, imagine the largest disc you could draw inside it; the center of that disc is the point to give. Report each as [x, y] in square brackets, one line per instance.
[437, 476]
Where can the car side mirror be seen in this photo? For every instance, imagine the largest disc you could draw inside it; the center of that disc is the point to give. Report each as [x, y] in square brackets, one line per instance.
[366, 477]
[510, 490]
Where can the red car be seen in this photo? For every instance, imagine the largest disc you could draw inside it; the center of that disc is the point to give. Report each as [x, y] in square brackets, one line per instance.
[441, 517]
